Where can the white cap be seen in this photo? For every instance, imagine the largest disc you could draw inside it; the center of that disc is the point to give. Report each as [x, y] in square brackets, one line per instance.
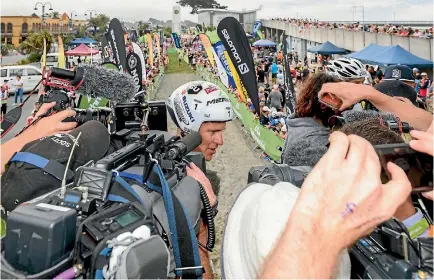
[284, 129]
[253, 227]
[424, 74]
[265, 109]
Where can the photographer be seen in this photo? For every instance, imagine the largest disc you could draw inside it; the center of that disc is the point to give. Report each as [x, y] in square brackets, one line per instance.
[351, 94]
[44, 127]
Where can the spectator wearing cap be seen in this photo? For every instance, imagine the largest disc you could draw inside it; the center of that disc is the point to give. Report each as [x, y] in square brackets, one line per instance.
[398, 89]
[264, 119]
[424, 85]
[402, 73]
[283, 132]
[250, 105]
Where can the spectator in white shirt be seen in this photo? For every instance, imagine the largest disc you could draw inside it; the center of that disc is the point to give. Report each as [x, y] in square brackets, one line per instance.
[19, 84]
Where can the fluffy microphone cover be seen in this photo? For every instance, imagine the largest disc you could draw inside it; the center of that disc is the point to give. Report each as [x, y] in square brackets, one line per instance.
[107, 83]
[354, 116]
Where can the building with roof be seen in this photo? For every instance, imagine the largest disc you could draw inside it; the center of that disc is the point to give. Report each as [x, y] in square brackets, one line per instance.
[15, 29]
[213, 17]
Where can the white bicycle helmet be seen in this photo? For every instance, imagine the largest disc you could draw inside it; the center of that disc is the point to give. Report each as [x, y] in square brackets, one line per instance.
[197, 102]
[346, 69]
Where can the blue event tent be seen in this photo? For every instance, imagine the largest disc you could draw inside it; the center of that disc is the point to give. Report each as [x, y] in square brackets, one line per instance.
[389, 55]
[264, 43]
[327, 48]
[84, 40]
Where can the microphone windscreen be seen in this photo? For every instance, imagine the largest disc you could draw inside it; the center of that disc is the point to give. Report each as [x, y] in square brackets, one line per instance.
[191, 141]
[24, 181]
[354, 116]
[99, 81]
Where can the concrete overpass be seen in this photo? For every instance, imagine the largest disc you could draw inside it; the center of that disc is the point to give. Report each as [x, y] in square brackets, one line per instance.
[350, 40]
[425, 24]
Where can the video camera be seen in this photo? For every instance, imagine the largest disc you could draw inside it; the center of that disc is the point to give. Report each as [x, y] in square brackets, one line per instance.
[124, 108]
[131, 215]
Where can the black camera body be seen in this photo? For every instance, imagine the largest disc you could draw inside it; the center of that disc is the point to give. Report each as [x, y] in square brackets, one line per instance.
[119, 196]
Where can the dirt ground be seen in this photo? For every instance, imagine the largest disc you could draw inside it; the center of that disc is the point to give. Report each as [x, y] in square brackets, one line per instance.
[231, 162]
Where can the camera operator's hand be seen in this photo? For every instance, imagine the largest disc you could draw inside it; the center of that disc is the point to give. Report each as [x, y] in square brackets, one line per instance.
[341, 200]
[423, 142]
[326, 193]
[351, 93]
[196, 173]
[44, 127]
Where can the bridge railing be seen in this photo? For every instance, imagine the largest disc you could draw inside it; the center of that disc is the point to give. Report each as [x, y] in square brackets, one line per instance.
[354, 40]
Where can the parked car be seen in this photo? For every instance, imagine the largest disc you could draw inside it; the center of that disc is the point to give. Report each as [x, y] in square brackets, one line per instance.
[30, 75]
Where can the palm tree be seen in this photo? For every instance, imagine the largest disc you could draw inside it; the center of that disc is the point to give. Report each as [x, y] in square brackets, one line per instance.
[54, 14]
[35, 42]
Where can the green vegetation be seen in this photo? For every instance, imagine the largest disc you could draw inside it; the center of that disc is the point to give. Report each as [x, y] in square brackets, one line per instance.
[174, 66]
[6, 48]
[200, 4]
[35, 42]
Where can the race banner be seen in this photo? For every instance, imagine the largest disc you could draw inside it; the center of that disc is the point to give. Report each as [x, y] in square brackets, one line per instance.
[208, 48]
[256, 27]
[289, 84]
[220, 50]
[116, 42]
[61, 56]
[106, 51]
[157, 42]
[221, 71]
[176, 40]
[138, 51]
[150, 49]
[134, 68]
[234, 38]
[241, 89]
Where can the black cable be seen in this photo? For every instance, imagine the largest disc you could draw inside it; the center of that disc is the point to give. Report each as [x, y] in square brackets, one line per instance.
[208, 214]
[404, 229]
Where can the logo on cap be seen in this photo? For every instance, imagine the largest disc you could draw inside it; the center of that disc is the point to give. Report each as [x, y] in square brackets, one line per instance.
[396, 73]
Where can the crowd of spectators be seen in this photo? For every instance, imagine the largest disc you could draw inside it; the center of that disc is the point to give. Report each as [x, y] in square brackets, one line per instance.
[357, 26]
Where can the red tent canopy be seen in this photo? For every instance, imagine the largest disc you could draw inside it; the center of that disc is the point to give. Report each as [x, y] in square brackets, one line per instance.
[82, 50]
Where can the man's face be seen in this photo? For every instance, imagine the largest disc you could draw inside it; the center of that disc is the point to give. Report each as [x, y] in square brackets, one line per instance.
[212, 137]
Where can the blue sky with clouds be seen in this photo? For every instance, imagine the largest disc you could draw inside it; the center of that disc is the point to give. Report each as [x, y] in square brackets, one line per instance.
[339, 10]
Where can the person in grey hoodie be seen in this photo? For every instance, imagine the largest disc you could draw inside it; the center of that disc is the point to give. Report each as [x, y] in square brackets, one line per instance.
[308, 133]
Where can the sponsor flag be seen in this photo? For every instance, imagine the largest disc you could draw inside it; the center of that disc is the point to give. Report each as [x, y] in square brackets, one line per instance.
[150, 50]
[44, 57]
[116, 42]
[234, 38]
[176, 40]
[221, 71]
[241, 89]
[138, 51]
[208, 48]
[220, 50]
[106, 51]
[157, 42]
[61, 56]
[134, 68]
[256, 27]
[289, 85]
[199, 28]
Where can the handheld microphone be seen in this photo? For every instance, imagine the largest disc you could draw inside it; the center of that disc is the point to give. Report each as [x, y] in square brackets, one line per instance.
[185, 145]
[96, 81]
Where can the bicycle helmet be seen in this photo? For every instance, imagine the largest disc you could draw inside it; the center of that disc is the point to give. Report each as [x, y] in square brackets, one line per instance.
[197, 102]
[346, 69]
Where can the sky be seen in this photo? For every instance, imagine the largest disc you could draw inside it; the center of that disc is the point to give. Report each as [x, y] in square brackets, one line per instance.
[339, 10]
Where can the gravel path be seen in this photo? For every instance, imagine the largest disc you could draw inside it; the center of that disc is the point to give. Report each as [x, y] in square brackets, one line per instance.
[231, 162]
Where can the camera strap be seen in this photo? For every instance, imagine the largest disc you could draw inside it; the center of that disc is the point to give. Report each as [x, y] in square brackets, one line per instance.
[185, 244]
[49, 166]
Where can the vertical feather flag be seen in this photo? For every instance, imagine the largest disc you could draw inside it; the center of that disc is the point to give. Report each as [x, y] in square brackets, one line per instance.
[240, 86]
[61, 57]
[157, 42]
[44, 57]
[150, 49]
[208, 47]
